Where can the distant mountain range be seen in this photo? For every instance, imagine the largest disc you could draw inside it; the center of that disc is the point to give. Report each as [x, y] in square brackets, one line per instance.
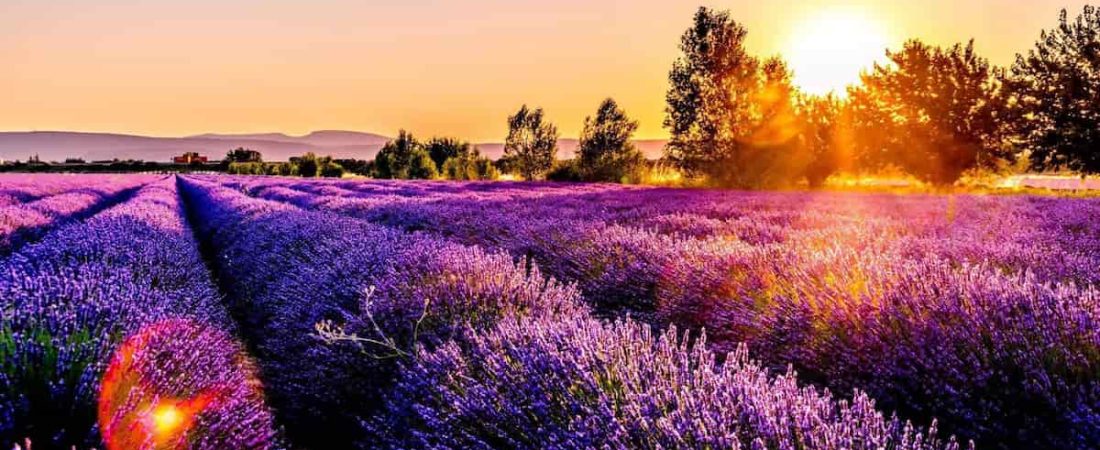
[59, 145]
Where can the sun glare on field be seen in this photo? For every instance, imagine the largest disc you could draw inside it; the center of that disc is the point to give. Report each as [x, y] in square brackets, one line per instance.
[167, 419]
[827, 50]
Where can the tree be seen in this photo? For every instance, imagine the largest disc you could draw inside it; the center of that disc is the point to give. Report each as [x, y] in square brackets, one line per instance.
[392, 161]
[356, 166]
[532, 143]
[308, 166]
[605, 152]
[404, 158]
[243, 155]
[246, 168]
[469, 166]
[708, 97]
[934, 112]
[485, 168]
[442, 149]
[506, 164]
[331, 169]
[565, 170]
[729, 114]
[287, 169]
[1056, 93]
[821, 127]
[771, 153]
[421, 166]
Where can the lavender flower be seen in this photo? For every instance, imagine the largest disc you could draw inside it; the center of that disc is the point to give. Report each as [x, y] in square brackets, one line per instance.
[538, 383]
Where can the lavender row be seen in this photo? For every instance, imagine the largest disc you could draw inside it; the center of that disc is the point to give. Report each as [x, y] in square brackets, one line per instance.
[18, 189]
[112, 325]
[25, 222]
[577, 383]
[331, 304]
[864, 303]
[290, 269]
[1050, 237]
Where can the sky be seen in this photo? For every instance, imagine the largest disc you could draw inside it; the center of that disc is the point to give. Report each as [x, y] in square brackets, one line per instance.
[434, 67]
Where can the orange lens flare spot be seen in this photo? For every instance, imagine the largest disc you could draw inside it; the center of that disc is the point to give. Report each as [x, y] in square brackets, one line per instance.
[147, 400]
[167, 419]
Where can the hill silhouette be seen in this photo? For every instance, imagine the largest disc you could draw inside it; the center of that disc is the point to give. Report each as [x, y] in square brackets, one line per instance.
[59, 145]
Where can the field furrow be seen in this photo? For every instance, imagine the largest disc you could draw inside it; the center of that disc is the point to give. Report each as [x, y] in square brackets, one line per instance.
[285, 270]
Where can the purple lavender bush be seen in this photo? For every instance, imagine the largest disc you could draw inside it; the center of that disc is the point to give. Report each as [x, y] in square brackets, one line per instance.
[1000, 358]
[580, 383]
[182, 385]
[21, 188]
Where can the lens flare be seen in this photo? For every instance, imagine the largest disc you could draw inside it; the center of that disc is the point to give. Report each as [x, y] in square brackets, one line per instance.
[167, 419]
[159, 385]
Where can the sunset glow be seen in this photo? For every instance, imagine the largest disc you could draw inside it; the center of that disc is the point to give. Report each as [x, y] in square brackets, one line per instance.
[495, 224]
[829, 49]
[173, 68]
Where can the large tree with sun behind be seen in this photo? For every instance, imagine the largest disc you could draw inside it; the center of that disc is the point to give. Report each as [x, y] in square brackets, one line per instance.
[935, 112]
[730, 114]
[710, 85]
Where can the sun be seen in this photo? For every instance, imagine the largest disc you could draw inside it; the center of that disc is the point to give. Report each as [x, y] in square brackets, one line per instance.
[828, 49]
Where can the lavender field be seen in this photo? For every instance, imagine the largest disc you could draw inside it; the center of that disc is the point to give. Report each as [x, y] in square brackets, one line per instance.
[218, 312]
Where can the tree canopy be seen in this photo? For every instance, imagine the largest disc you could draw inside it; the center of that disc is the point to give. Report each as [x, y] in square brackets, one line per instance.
[243, 155]
[605, 152]
[1056, 90]
[822, 125]
[442, 148]
[932, 111]
[532, 143]
[730, 114]
[711, 84]
[310, 165]
[469, 166]
[404, 158]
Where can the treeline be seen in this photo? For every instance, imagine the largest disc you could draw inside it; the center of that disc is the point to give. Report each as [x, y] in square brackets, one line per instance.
[737, 120]
[605, 153]
[242, 161]
[74, 165]
[407, 158]
[934, 112]
[402, 158]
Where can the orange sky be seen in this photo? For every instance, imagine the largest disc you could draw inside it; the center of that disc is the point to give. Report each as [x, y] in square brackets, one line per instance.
[435, 67]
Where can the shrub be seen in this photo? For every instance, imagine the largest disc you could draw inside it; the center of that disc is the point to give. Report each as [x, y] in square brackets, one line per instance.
[566, 170]
[404, 158]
